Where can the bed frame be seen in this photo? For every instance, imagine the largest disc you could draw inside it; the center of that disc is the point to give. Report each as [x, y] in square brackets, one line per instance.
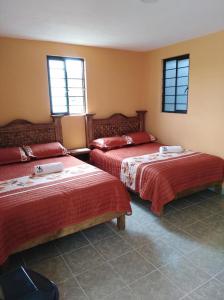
[21, 132]
[119, 124]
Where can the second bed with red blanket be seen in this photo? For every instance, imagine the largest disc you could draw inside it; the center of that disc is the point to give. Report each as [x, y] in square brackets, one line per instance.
[161, 178]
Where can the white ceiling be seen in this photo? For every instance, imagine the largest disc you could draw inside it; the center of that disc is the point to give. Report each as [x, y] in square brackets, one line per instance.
[122, 24]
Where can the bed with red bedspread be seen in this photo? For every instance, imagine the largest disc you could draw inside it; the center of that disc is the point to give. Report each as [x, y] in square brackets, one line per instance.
[34, 206]
[160, 181]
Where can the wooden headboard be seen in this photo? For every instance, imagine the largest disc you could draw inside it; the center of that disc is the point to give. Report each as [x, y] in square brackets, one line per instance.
[117, 124]
[22, 132]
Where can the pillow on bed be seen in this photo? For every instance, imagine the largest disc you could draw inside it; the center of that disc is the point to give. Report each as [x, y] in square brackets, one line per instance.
[140, 137]
[45, 150]
[109, 143]
[11, 155]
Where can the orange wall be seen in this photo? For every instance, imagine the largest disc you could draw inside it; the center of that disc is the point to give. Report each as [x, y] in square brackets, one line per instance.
[113, 83]
[202, 128]
[121, 81]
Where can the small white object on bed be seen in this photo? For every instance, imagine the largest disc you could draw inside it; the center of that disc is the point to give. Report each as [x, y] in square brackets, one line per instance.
[48, 168]
[170, 149]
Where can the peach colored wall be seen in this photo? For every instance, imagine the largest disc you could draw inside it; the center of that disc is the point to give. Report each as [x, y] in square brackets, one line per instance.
[113, 83]
[202, 128]
[121, 81]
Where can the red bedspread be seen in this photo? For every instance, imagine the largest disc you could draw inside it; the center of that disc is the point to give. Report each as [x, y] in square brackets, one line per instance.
[31, 211]
[161, 182]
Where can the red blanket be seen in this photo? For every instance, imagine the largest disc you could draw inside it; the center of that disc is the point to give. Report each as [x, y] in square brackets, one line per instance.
[160, 182]
[30, 210]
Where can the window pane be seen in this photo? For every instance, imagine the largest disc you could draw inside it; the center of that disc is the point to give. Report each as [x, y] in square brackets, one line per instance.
[175, 87]
[182, 81]
[181, 107]
[57, 101]
[182, 99]
[74, 68]
[75, 83]
[170, 82]
[58, 92]
[171, 64]
[67, 85]
[59, 109]
[169, 107]
[57, 73]
[56, 82]
[171, 73]
[182, 90]
[76, 101]
[76, 92]
[183, 63]
[183, 72]
[56, 64]
[169, 99]
[79, 109]
[170, 91]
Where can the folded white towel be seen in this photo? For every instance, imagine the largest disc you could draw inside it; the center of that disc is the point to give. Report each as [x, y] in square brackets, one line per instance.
[48, 168]
[170, 149]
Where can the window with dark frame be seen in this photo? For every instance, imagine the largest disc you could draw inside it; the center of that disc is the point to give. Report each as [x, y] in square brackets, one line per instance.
[175, 84]
[66, 85]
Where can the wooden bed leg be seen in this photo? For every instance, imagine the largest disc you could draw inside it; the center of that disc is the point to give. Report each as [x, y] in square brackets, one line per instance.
[121, 222]
[218, 188]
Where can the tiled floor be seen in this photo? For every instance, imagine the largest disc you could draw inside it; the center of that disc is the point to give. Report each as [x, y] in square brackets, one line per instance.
[178, 256]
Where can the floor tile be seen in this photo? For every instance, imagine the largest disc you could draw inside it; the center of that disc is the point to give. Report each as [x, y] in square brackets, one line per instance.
[54, 269]
[112, 247]
[199, 229]
[180, 203]
[123, 294]
[220, 276]
[215, 222]
[131, 266]
[206, 235]
[39, 253]
[71, 242]
[181, 241]
[155, 286]
[207, 193]
[179, 218]
[139, 234]
[100, 282]
[208, 259]
[159, 253]
[214, 204]
[184, 275]
[146, 216]
[198, 212]
[83, 259]
[70, 290]
[195, 198]
[212, 290]
[97, 233]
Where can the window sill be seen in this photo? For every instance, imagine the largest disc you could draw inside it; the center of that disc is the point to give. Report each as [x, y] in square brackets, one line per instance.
[68, 115]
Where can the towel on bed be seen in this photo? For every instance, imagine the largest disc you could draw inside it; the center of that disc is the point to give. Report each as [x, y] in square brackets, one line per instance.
[48, 168]
[170, 149]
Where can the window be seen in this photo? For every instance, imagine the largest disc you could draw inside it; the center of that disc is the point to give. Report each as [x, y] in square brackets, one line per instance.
[175, 84]
[66, 85]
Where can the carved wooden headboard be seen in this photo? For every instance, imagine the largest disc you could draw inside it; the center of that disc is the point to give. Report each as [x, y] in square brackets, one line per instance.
[22, 132]
[117, 124]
